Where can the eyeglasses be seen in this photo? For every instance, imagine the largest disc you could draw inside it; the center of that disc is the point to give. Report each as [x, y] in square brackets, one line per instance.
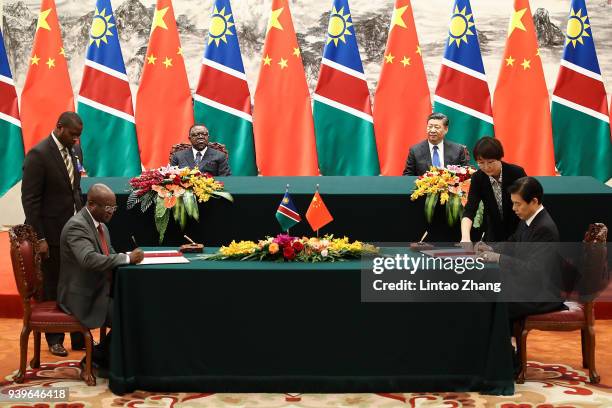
[110, 208]
[196, 134]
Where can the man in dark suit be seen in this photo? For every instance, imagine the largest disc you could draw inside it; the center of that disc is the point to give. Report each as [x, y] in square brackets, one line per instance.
[529, 260]
[201, 155]
[50, 195]
[87, 263]
[435, 151]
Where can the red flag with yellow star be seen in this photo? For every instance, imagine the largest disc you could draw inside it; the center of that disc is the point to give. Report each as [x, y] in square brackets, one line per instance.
[164, 108]
[282, 119]
[521, 108]
[47, 91]
[401, 102]
[317, 214]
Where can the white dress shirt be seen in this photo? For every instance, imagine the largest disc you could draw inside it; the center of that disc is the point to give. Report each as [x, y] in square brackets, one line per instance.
[196, 152]
[530, 220]
[440, 152]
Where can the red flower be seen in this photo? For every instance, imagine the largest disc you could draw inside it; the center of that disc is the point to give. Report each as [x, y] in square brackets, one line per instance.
[298, 246]
[177, 180]
[288, 253]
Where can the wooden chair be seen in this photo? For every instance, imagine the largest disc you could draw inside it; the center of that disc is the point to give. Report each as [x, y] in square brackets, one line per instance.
[579, 316]
[39, 317]
[184, 146]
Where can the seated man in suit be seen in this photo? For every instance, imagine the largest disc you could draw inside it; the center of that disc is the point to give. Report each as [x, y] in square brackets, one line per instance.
[201, 155]
[529, 261]
[87, 263]
[435, 150]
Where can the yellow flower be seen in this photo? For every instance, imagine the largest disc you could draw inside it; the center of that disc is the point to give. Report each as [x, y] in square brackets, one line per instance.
[238, 248]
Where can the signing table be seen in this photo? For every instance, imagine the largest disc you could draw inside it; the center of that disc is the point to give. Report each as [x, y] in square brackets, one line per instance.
[373, 209]
[229, 326]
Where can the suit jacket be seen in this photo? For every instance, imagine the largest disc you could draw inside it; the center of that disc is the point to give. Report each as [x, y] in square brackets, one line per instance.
[533, 271]
[86, 273]
[213, 162]
[499, 227]
[47, 197]
[419, 157]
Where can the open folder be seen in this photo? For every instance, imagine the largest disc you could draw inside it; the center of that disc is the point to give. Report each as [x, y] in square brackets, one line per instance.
[163, 257]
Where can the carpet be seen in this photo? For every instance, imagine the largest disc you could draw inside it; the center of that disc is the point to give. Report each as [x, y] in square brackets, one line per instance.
[550, 386]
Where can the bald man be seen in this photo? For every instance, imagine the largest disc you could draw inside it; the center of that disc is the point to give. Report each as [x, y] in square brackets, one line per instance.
[87, 263]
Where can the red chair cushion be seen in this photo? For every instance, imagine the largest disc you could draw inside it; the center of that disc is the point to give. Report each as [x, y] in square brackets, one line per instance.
[48, 312]
[575, 314]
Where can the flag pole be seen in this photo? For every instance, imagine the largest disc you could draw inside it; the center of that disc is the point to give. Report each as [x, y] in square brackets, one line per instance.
[287, 191]
[317, 228]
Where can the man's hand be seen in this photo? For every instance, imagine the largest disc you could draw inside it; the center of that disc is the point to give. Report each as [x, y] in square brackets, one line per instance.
[482, 247]
[136, 256]
[490, 257]
[467, 246]
[43, 248]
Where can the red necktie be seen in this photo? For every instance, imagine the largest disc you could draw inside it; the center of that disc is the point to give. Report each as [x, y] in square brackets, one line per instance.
[103, 240]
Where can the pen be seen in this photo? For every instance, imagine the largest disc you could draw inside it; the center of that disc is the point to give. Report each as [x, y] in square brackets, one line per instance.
[189, 239]
[134, 242]
[423, 237]
[483, 235]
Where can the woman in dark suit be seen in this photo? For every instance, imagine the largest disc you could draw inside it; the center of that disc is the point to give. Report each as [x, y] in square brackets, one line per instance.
[490, 185]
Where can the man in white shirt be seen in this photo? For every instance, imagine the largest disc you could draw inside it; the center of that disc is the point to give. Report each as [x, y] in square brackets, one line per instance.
[435, 151]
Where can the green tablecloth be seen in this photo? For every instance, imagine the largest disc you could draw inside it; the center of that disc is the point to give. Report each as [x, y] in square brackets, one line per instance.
[374, 209]
[220, 326]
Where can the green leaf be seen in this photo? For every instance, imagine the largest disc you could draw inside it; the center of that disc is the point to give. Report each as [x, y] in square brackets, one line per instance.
[224, 194]
[453, 209]
[182, 215]
[160, 208]
[189, 201]
[161, 223]
[146, 200]
[133, 199]
[430, 205]
[479, 215]
[177, 209]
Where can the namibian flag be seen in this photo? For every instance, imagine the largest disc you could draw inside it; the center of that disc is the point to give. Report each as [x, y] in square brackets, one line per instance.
[581, 125]
[287, 214]
[110, 148]
[222, 99]
[343, 121]
[11, 141]
[462, 93]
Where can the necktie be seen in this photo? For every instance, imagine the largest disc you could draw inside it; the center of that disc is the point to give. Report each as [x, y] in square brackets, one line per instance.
[69, 166]
[198, 158]
[103, 240]
[435, 160]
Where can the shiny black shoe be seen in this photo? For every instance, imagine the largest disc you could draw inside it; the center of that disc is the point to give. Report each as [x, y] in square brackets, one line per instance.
[58, 350]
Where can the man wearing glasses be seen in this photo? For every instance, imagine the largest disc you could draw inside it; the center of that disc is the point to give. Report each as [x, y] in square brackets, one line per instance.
[435, 151]
[201, 155]
[87, 264]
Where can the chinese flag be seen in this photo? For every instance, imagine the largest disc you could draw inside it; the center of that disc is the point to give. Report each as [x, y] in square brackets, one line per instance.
[317, 213]
[282, 120]
[401, 102]
[164, 109]
[521, 108]
[47, 91]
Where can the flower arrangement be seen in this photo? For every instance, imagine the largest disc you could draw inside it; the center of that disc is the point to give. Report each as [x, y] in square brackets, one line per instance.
[284, 247]
[176, 190]
[450, 185]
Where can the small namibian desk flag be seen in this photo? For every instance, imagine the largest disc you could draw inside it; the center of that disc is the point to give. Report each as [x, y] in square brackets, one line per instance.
[287, 214]
[317, 214]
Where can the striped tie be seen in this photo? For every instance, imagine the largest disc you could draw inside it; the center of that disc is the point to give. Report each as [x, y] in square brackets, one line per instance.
[69, 166]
